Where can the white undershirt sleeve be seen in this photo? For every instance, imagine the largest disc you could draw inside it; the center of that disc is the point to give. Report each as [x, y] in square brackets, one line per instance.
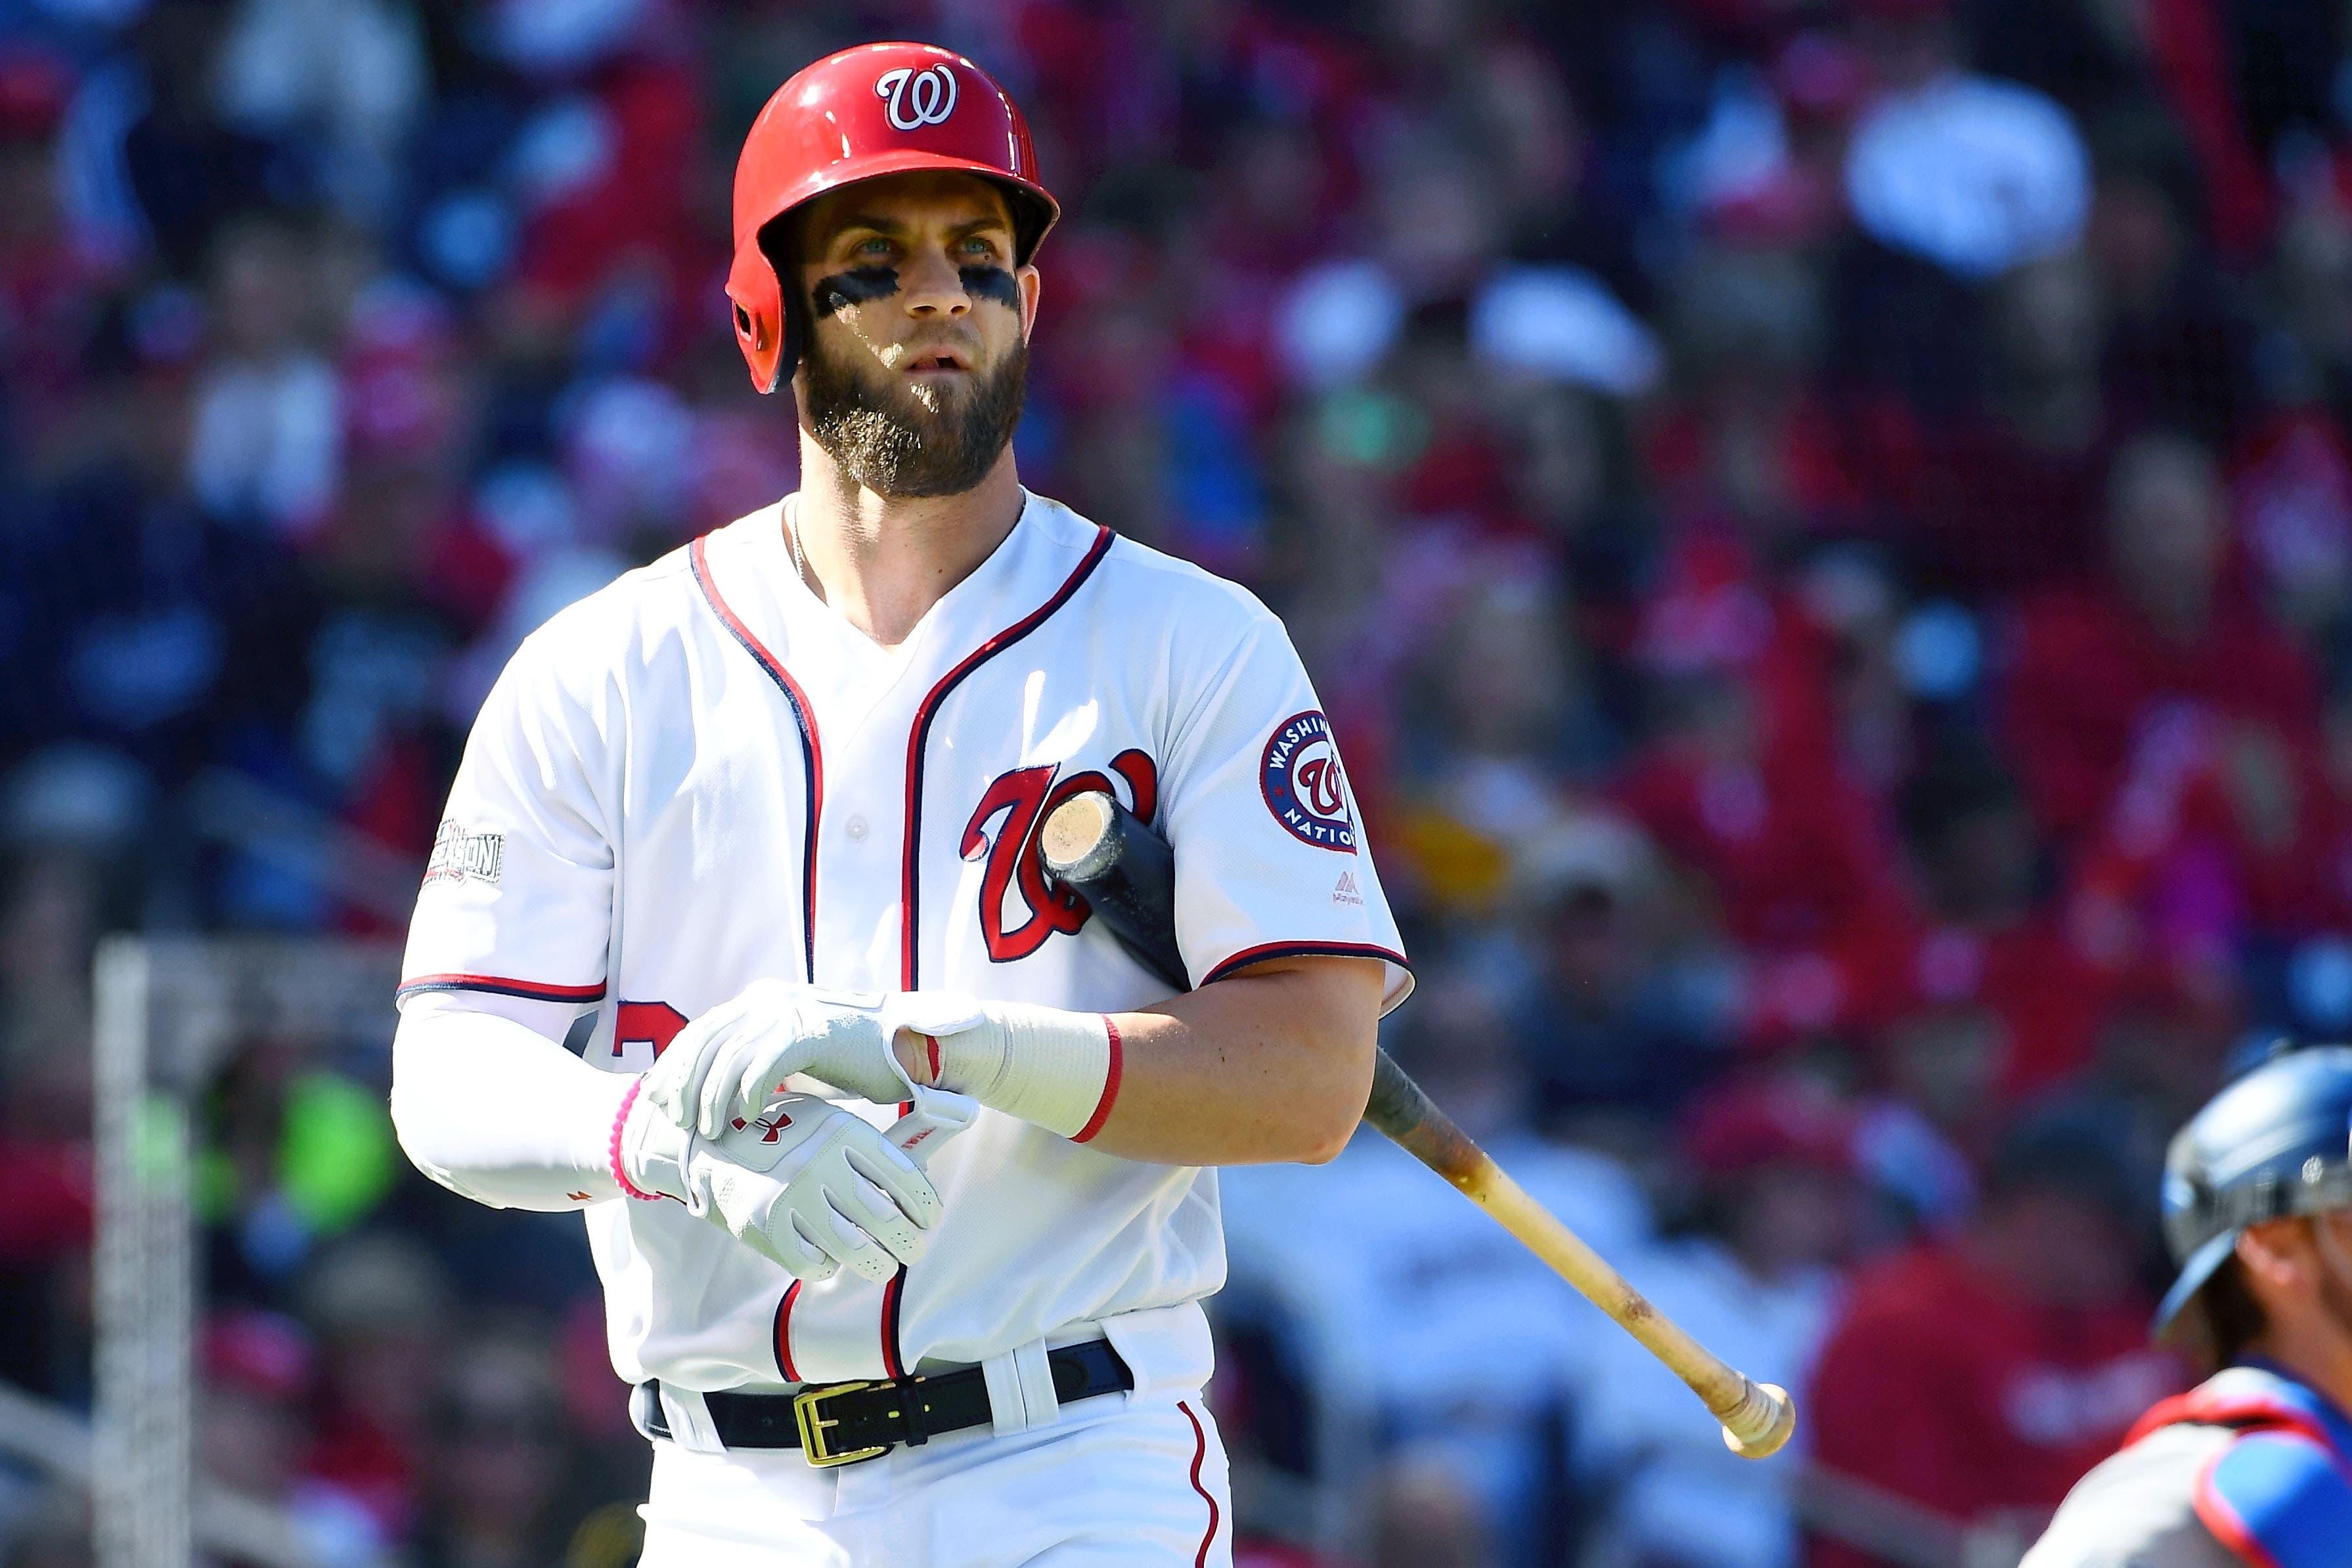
[494, 1108]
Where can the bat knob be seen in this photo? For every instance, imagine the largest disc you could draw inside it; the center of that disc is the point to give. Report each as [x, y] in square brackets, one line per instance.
[1760, 1422]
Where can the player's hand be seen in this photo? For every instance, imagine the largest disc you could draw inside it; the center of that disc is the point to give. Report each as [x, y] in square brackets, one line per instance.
[807, 1184]
[733, 1062]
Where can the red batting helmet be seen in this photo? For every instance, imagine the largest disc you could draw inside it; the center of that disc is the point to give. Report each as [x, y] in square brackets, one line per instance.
[878, 109]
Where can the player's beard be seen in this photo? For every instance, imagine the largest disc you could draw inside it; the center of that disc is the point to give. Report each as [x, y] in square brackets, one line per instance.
[892, 443]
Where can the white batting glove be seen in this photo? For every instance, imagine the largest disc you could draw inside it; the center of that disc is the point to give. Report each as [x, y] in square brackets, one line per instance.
[936, 1115]
[733, 1062]
[807, 1184]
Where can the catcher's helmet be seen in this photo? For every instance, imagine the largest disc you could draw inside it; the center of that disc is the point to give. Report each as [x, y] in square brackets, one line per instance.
[878, 109]
[2277, 1142]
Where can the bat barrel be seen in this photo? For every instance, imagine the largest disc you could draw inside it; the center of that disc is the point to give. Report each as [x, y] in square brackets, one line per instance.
[1127, 874]
[1080, 841]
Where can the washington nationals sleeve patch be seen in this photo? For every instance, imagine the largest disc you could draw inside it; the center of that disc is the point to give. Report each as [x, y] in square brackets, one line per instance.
[461, 856]
[1304, 786]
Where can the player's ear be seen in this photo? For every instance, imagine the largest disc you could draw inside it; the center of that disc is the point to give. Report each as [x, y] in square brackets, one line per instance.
[2276, 1254]
[1031, 283]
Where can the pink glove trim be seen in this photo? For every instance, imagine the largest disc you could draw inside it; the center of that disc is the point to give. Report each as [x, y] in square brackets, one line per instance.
[1110, 1087]
[621, 1120]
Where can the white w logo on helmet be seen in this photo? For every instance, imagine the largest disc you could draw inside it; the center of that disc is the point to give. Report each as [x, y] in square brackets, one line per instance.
[918, 98]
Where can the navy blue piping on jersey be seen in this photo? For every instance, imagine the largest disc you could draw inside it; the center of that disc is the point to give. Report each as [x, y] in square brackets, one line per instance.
[500, 986]
[1264, 950]
[893, 1365]
[783, 1333]
[812, 753]
[910, 865]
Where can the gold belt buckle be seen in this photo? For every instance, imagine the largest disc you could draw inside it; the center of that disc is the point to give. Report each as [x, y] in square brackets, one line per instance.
[814, 1426]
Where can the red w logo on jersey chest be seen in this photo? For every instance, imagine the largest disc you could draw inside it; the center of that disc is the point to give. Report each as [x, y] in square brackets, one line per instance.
[1016, 804]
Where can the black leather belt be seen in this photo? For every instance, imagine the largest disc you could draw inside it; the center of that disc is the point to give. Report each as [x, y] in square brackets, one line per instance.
[842, 1423]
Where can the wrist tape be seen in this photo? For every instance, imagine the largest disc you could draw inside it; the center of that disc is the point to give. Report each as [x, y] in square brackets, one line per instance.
[1055, 1069]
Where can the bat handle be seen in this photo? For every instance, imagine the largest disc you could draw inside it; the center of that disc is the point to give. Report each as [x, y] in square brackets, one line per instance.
[1758, 1421]
[1757, 1417]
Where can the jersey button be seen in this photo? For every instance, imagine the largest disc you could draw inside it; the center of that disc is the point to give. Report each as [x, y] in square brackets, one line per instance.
[856, 828]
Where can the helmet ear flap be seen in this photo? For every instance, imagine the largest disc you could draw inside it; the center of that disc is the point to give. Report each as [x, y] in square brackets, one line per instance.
[761, 323]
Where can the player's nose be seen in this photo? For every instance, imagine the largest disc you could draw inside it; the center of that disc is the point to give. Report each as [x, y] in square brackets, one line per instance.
[934, 287]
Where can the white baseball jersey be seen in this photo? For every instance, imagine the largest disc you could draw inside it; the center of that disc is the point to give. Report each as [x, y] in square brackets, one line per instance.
[702, 776]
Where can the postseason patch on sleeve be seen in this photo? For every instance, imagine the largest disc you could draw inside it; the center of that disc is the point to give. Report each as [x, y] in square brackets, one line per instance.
[1303, 784]
[460, 856]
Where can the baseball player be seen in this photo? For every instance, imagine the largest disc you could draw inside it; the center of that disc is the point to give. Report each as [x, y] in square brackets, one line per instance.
[735, 938]
[2254, 1468]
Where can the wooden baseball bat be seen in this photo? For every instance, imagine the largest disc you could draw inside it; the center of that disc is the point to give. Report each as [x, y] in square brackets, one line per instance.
[1125, 872]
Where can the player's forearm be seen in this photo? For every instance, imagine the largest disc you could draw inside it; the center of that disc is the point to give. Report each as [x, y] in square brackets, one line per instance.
[494, 1111]
[1270, 1065]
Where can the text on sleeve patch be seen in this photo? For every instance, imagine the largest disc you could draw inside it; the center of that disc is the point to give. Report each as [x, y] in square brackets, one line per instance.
[1303, 784]
[461, 856]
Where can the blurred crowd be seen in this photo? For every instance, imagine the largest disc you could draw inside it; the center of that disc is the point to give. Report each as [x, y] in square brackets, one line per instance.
[1824, 528]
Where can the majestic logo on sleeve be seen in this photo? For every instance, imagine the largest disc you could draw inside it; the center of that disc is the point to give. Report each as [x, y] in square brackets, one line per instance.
[917, 98]
[461, 856]
[1018, 910]
[1304, 787]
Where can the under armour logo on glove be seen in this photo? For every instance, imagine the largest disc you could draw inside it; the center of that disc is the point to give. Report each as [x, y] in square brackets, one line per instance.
[918, 98]
[771, 1124]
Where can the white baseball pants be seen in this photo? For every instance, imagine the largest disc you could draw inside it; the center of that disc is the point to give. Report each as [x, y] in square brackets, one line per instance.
[1127, 1480]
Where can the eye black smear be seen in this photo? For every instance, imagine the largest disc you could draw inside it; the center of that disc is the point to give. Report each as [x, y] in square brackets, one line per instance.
[856, 287]
[990, 283]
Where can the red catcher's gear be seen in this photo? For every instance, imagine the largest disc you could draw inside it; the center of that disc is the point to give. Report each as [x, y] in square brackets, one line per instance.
[878, 109]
